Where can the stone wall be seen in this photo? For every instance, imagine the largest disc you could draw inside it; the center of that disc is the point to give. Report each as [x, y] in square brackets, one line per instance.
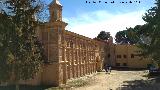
[69, 55]
[82, 55]
[128, 56]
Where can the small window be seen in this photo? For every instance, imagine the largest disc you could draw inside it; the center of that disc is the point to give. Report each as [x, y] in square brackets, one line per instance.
[124, 56]
[118, 56]
[124, 64]
[55, 14]
[132, 55]
[71, 44]
[117, 64]
[109, 55]
[52, 30]
[59, 29]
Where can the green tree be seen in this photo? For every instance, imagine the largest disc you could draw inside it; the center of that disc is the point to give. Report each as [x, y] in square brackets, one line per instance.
[151, 34]
[129, 36]
[120, 37]
[21, 54]
[103, 35]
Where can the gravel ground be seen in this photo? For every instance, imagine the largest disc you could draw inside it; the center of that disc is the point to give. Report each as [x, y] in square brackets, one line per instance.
[122, 80]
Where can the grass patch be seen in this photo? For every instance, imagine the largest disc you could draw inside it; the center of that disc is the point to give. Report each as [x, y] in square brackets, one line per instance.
[78, 82]
[82, 81]
[99, 73]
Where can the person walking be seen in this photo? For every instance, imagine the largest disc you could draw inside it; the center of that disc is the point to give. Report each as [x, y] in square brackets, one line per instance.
[109, 68]
[106, 68]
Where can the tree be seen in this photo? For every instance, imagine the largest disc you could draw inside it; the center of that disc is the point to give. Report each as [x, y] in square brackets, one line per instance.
[103, 35]
[151, 46]
[21, 54]
[129, 36]
[121, 37]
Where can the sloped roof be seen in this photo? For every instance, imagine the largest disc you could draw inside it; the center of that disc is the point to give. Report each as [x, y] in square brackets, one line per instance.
[56, 2]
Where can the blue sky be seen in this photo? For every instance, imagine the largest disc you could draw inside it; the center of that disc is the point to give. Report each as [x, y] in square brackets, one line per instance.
[89, 19]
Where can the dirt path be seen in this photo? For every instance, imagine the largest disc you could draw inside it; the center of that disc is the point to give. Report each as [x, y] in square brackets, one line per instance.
[114, 81]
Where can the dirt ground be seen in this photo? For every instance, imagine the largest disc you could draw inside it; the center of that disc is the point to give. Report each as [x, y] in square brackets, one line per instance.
[122, 80]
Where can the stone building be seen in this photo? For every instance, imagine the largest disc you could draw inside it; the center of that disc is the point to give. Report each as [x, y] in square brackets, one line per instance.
[69, 55]
[128, 56]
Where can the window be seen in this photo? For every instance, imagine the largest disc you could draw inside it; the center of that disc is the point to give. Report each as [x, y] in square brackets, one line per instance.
[71, 44]
[55, 14]
[52, 30]
[68, 45]
[59, 29]
[118, 56]
[132, 55]
[124, 56]
[117, 64]
[124, 64]
[109, 55]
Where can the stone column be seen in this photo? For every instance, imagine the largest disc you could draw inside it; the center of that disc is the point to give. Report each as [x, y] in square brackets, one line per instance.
[68, 64]
[78, 70]
[88, 67]
[94, 61]
[89, 59]
[80, 64]
[87, 56]
[64, 66]
[72, 61]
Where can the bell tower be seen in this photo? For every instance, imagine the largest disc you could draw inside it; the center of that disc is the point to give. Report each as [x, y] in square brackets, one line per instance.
[54, 41]
[55, 9]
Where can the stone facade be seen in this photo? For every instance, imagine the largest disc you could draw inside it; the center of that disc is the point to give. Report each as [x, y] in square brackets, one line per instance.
[128, 56]
[69, 55]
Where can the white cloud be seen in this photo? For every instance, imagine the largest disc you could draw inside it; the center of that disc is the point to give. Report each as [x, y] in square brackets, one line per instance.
[91, 23]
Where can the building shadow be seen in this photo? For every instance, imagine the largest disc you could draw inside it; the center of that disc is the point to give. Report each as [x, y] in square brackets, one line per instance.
[152, 83]
[24, 87]
[128, 69]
